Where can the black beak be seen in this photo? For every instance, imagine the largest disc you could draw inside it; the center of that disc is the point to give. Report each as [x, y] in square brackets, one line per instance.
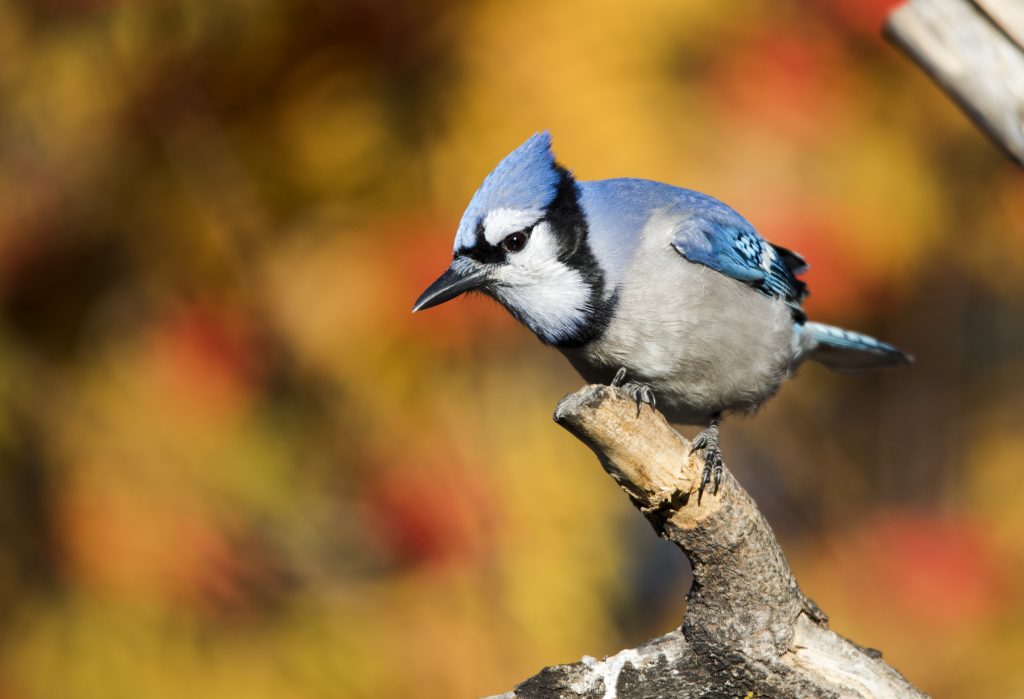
[448, 286]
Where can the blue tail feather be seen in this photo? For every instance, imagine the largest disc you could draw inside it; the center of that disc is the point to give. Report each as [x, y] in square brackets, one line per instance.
[844, 350]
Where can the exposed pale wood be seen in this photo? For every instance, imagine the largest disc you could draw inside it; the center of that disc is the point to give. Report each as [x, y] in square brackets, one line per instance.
[748, 627]
[971, 59]
[1008, 15]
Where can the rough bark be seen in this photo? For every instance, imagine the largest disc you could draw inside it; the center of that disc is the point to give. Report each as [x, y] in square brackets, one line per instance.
[748, 630]
[973, 50]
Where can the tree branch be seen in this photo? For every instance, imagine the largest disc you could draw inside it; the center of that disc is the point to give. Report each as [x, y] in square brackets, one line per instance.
[748, 627]
[973, 50]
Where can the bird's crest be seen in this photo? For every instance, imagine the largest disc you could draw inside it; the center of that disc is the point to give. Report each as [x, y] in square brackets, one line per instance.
[526, 179]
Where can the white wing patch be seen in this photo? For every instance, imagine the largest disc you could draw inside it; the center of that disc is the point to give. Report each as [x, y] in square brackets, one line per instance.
[767, 257]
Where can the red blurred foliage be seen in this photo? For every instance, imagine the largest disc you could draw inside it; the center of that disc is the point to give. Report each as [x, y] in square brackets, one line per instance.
[430, 518]
[223, 574]
[211, 354]
[421, 251]
[784, 81]
[837, 287]
[940, 570]
[861, 17]
[160, 551]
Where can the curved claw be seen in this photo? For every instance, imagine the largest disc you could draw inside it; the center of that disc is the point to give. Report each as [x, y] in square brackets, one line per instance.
[699, 443]
[705, 478]
[717, 469]
[620, 377]
[712, 472]
[649, 398]
[639, 392]
[714, 465]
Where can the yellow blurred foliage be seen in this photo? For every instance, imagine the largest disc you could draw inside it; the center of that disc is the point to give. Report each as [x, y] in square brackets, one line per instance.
[233, 464]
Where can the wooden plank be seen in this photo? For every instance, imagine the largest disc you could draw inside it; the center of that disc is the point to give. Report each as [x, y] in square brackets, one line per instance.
[975, 62]
[1008, 15]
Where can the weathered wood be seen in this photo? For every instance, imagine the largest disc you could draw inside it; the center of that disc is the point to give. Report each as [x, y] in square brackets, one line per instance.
[972, 56]
[748, 627]
[1008, 16]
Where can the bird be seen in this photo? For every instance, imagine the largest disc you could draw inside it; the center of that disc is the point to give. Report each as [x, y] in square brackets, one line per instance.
[635, 278]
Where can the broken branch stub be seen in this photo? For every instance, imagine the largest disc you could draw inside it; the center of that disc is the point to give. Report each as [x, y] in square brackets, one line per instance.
[748, 627]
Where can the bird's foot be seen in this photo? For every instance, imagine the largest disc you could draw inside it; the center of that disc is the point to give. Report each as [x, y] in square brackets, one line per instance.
[640, 392]
[713, 462]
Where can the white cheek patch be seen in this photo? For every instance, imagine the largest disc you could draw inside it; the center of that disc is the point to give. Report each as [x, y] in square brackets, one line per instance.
[501, 222]
[552, 298]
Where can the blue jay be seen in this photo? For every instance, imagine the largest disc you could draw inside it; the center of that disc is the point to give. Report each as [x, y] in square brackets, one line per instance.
[629, 275]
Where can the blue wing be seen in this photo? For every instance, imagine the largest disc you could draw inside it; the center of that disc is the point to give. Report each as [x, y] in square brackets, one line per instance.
[722, 240]
[708, 233]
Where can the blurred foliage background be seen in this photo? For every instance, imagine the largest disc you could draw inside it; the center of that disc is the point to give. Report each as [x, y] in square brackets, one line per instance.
[232, 464]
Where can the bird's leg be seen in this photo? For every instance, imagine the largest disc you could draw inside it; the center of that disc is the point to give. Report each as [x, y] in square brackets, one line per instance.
[713, 463]
[640, 392]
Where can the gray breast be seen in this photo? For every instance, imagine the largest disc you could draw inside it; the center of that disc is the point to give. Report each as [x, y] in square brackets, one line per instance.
[706, 343]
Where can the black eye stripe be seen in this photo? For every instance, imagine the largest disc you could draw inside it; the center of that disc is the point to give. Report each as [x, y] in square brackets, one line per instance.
[481, 250]
[489, 253]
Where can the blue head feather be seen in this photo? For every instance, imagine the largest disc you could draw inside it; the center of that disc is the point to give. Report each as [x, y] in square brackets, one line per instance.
[526, 179]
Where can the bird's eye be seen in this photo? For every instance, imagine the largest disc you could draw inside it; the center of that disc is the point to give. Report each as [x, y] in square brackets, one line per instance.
[515, 242]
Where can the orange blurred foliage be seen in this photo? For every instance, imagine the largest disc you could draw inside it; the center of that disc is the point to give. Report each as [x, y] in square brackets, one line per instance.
[233, 463]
